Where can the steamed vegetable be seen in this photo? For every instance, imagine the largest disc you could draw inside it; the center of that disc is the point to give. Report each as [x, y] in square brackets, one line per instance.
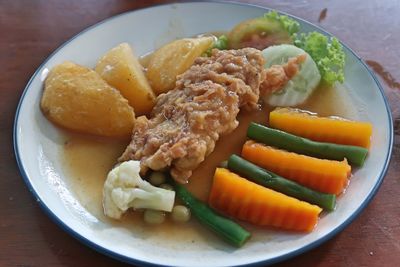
[300, 86]
[323, 129]
[327, 176]
[180, 214]
[271, 180]
[245, 200]
[327, 53]
[120, 68]
[355, 155]
[271, 29]
[157, 178]
[173, 59]
[167, 187]
[124, 189]
[154, 216]
[227, 229]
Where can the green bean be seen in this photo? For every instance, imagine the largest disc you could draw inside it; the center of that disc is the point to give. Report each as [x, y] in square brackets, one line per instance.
[280, 184]
[227, 229]
[355, 155]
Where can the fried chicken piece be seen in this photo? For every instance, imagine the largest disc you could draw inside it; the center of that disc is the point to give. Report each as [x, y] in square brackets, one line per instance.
[187, 121]
[278, 75]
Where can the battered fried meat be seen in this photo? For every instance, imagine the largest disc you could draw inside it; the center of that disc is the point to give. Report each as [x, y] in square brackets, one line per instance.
[187, 121]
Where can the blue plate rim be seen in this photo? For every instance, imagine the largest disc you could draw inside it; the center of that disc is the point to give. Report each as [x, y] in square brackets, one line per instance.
[130, 260]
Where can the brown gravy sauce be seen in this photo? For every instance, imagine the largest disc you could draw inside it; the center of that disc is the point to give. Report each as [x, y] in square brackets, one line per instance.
[88, 159]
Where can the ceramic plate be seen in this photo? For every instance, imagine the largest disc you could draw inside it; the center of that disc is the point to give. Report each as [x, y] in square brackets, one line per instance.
[38, 144]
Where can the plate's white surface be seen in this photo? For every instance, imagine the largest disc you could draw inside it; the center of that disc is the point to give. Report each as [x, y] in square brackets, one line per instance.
[37, 143]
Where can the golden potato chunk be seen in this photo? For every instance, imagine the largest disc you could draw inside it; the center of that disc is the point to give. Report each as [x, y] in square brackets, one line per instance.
[78, 99]
[121, 69]
[173, 59]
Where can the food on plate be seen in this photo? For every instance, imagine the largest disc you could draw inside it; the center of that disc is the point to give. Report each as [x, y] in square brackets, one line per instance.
[324, 129]
[274, 29]
[292, 75]
[153, 216]
[173, 59]
[180, 214]
[275, 182]
[220, 42]
[239, 198]
[327, 52]
[187, 121]
[120, 68]
[227, 229]
[125, 189]
[157, 178]
[280, 139]
[324, 57]
[271, 29]
[167, 186]
[188, 95]
[327, 176]
[76, 98]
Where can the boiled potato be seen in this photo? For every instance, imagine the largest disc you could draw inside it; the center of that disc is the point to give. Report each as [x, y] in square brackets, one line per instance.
[120, 68]
[78, 99]
[173, 59]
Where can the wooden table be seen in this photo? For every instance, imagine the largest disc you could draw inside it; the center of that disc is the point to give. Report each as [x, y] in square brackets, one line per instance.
[31, 30]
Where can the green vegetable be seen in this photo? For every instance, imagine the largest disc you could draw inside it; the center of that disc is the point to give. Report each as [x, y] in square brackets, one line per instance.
[221, 43]
[259, 33]
[301, 85]
[290, 25]
[167, 187]
[271, 180]
[355, 155]
[154, 216]
[327, 53]
[229, 230]
[157, 178]
[180, 214]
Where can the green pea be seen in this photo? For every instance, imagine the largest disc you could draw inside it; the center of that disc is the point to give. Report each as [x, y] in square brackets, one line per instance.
[157, 178]
[180, 213]
[167, 187]
[154, 216]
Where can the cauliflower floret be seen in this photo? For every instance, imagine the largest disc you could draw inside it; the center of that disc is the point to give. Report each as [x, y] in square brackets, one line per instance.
[124, 189]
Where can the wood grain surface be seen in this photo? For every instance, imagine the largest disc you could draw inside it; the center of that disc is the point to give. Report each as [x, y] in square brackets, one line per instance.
[31, 30]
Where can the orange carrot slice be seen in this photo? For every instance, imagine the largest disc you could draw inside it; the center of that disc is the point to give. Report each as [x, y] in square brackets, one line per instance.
[248, 201]
[323, 129]
[327, 176]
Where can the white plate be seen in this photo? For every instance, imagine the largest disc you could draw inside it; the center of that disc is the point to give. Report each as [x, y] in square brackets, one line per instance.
[37, 143]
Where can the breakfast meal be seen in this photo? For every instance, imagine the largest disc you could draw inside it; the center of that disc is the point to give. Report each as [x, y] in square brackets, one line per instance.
[221, 127]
